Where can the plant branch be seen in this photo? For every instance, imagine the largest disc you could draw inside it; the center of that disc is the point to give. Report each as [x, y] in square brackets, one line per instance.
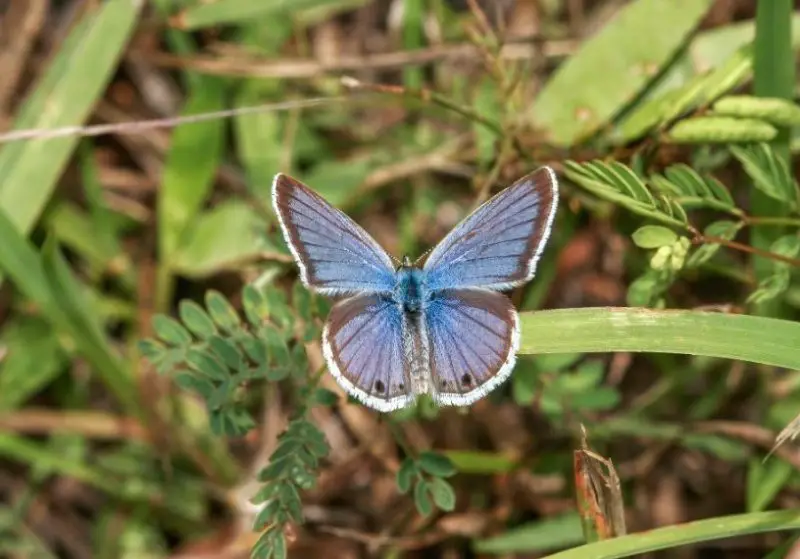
[426, 96]
[747, 248]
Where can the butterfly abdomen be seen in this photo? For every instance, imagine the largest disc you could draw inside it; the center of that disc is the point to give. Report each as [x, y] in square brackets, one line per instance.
[417, 352]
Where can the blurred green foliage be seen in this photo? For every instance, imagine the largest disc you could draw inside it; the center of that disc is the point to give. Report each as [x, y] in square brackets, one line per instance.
[657, 134]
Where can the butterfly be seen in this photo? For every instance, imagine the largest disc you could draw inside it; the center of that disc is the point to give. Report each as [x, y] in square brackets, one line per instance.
[442, 329]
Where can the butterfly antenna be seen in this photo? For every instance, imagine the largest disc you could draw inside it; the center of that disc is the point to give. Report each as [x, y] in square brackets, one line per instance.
[397, 260]
[422, 256]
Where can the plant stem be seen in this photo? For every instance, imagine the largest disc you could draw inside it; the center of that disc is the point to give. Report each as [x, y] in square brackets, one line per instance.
[426, 96]
[749, 249]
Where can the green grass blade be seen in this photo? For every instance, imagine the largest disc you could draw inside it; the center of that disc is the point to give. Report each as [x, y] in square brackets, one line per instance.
[189, 173]
[49, 284]
[84, 326]
[773, 76]
[749, 338]
[65, 96]
[682, 534]
[551, 533]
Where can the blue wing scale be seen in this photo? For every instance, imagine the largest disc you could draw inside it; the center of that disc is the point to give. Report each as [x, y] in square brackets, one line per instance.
[363, 346]
[473, 339]
[499, 244]
[335, 255]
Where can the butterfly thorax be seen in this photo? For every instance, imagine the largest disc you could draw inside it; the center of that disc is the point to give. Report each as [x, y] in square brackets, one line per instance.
[410, 290]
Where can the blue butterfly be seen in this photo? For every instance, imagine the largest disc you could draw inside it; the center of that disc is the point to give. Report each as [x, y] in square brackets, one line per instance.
[442, 329]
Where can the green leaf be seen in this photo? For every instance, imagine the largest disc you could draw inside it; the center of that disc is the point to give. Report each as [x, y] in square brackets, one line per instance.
[337, 180]
[32, 360]
[443, 494]
[190, 166]
[667, 103]
[654, 236]
[255, 305]
[670, 537]
[301, 298]
[290, 499]
[478, 462]
[764, 481]
[84, 326]
[422, 498]
[771, 286]
[191, 382]
[170, 330]
[255, 348]
[651, 32]
[720, 130]
[277, 373]
[203, 251]
[206, 364]
[276, 468]
[75, 229]
[780, 112]
[543, 535]
[626, 189]
[724, 229]
[769, 172]
[325, 397]
[65, 95]
[436, 464]
[226, 350]
[279, 550]
[694, 191]
[222, 312]
[525, 381]
[196, 319]
[267, 492]
[406, 474]
[732, 336]
[261, 138]
[151, 350]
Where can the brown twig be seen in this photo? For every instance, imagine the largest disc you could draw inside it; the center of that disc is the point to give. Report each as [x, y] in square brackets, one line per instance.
[303, 68]
[426, 96]
[747, 248]
[139, 126]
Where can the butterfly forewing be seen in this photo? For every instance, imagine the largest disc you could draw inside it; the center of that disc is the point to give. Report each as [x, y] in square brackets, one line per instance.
[363, 345]
[473, 339]
[335, 255]
[498, 245]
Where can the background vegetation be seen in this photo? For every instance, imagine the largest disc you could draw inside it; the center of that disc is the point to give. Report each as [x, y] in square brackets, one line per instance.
[162, 389]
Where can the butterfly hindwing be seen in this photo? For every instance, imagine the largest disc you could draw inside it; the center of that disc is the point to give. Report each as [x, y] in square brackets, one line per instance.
[499, 244]
[473, 339]
[363, 345]
[335, 255]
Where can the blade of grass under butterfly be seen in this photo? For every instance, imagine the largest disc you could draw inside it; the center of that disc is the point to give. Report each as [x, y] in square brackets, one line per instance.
[749, 338]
